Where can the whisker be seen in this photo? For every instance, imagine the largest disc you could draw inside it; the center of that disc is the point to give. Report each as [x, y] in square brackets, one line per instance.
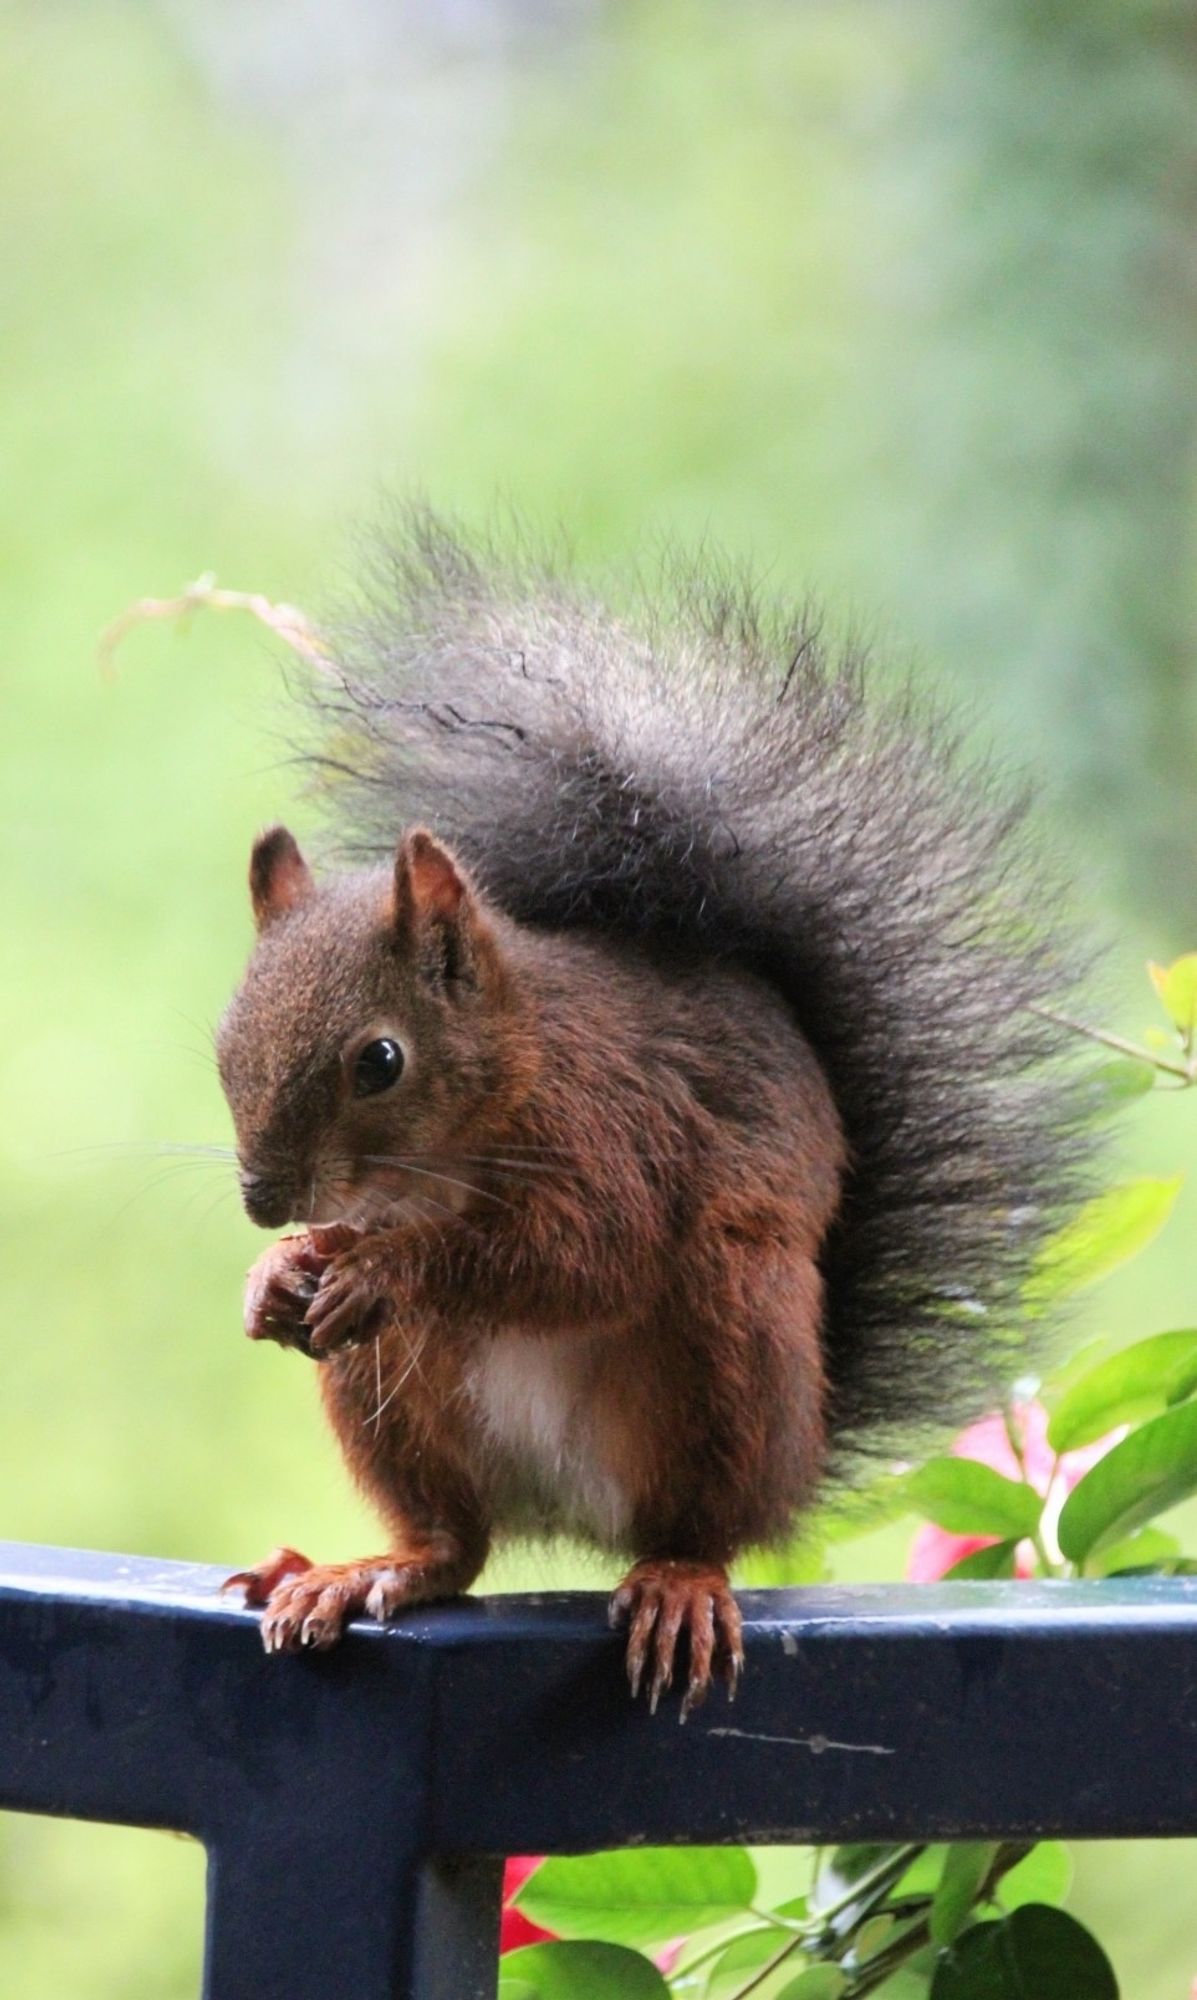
[200, 1055]
[414, 1354]
[221, 1196]
[450, 1180]
[529, 1153]
[157, 1180]
[501, 1151]
[206, 1029]
[513, 1171]
[133, 1149]
[431, 1201]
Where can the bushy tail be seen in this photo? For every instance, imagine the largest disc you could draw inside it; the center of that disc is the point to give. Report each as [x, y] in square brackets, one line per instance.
[705, 772]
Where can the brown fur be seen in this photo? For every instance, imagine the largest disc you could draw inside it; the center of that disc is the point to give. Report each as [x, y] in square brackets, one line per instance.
[591, 1210]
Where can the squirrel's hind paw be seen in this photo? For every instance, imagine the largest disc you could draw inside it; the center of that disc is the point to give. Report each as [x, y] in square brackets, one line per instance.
[660, 1600]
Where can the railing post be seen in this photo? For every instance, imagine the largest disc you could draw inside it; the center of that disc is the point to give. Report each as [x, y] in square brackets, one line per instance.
[456, 1937]
[303, 1917]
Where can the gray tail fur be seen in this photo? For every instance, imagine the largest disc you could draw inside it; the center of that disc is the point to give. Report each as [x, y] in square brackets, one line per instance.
[705, 773]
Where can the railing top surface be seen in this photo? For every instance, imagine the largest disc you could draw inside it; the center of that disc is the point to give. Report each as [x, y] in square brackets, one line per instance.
[130, 1689]
[1063, 1610]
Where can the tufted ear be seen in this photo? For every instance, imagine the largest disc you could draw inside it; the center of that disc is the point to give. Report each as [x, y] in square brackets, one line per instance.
[279, 877]
[436, 913]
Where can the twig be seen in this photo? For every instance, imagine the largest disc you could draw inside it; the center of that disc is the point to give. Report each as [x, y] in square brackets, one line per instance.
[285, 620]
[1186, 1071]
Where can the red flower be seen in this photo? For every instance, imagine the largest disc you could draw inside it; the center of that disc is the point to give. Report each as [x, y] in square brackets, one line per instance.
[934, 1550]
[515, 1928]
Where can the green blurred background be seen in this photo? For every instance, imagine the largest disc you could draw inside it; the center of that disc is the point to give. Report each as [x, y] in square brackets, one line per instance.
[895, 299]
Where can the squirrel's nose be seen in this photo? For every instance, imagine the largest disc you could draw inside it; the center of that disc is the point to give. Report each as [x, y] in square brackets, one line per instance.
[267, 1200]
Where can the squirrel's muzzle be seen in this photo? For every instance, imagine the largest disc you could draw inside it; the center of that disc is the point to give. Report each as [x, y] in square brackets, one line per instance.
[268, 1200]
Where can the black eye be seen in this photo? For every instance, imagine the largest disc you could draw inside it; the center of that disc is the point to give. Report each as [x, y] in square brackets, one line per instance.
[379, 1065]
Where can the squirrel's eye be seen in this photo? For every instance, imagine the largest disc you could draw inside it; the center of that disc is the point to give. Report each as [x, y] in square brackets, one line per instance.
[379, 1065]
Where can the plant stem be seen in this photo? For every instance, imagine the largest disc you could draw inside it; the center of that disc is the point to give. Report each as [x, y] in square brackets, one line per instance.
[768, 1922]
[1187, 1072]
[877, 1970]
[882, 1878]
[900, 1859]
[290, 624]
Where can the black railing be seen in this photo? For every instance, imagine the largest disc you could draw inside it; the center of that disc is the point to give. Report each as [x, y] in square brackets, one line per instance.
[353, 1804]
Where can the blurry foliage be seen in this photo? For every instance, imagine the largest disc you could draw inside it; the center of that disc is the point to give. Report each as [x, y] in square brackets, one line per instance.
[896, 300]
[1044, 398]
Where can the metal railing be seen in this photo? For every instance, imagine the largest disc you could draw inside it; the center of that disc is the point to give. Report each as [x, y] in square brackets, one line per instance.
[355, 1805]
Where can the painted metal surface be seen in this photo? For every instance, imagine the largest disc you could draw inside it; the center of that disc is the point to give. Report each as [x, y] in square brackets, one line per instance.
[353, 1803]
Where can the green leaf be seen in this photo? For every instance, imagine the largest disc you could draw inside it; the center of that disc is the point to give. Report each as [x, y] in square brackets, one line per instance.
[1150, 1549]
[996, 1560]
[967, 1864]
[514, 1989]
[972, 1499]
[1147, 1473]
[639, 1895]
[1176, 985]
[922, 1876]
[870, 1938]
[1036, 1953]
[695, 1954]
[1108, 1231]
[744, 1956]
[1119, 1082]
[1150, 1376]
[1042, 1876]
[911, 1982]
[1059, 1382]
[797, 1909]
[818, 1982]
[583, 1972]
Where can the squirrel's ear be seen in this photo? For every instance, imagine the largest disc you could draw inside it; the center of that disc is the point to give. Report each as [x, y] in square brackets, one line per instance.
[436, 911]
[279, 877]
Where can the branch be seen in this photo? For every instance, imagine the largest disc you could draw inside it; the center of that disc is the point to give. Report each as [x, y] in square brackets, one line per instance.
[288, 623]
[1187, 1072]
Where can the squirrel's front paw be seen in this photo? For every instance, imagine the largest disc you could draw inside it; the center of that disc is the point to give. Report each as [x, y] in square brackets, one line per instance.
[280, 1288]
[351, 1300]
[309, 1604]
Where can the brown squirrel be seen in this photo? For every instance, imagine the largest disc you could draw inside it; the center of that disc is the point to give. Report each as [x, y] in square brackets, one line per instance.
[667, 1105]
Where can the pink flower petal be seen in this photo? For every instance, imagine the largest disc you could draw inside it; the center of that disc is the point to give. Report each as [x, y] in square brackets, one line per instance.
[515, 1928]
[934, 1550]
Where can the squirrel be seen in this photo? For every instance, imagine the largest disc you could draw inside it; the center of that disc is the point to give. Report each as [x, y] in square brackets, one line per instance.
[669, 1099]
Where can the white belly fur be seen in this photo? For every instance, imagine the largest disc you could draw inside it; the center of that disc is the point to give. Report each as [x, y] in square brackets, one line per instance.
[533, 1395]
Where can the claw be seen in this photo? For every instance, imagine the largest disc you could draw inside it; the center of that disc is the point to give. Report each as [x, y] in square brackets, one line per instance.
[702, 1649]
[619, 1606]
[260, 1583]
[640, 1639]
[309, 1606]
[669, 1624]
[660, 1600]
[279, 1289]
[731, 1643]
[339, 1316]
